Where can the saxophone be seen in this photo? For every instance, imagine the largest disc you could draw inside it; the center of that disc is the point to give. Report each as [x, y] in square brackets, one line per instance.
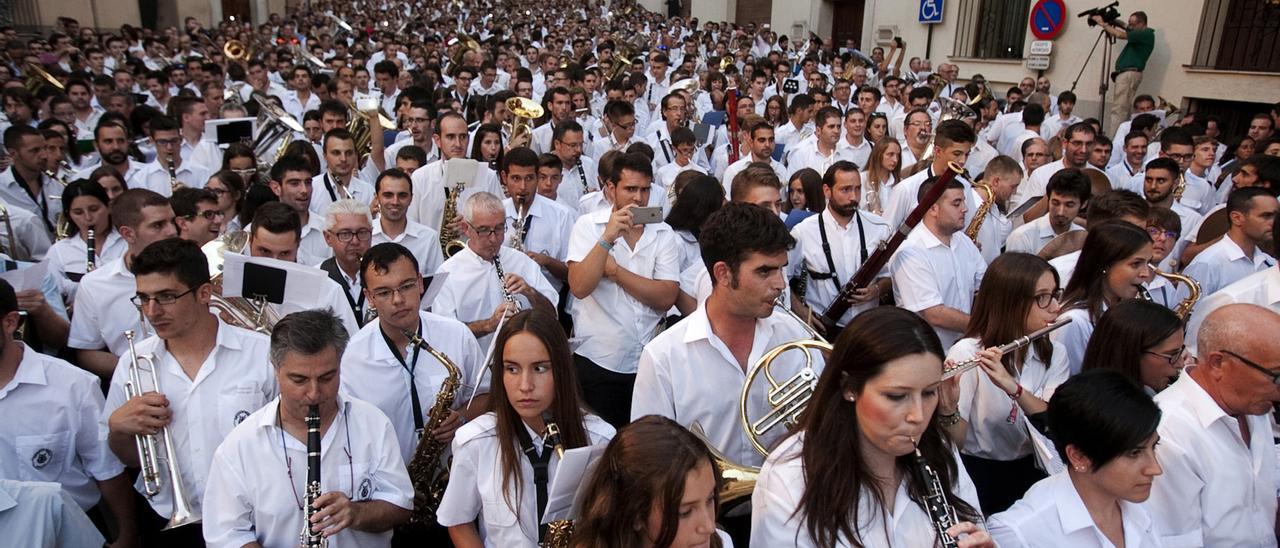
[517, 226]
[427, 470]
[981, 215]
[559, 532]
[450, 240]
[940, 511]
[307, 538]
[1183, 309]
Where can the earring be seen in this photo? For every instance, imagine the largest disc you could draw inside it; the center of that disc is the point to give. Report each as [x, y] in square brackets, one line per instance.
[850, 398]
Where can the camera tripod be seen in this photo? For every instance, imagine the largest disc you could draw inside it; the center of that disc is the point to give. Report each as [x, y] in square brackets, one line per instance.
[1104, 80]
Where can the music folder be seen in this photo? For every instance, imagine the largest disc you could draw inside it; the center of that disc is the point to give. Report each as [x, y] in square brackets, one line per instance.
[231, 130]
[274, 280]
[460, 170]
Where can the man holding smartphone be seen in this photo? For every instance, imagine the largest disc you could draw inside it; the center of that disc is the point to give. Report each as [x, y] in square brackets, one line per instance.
[625, 276]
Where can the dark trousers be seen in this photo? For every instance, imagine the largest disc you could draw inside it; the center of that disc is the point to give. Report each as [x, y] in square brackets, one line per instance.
[1001, 483]
[738, 527]
[434, 535]
[606, 392]
[150, 526]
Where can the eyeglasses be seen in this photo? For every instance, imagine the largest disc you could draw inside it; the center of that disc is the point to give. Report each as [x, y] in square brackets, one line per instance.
[168, 142]
[1173, 358]
[386, 294]
[1180, 157]
[1275, 378]
[1157, 232]
[219, 192]
[484, 231]
[1043, 300]
[162, 299]
[345, 236]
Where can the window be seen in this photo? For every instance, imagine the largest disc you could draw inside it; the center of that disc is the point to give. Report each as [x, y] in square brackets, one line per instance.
[1239, 35]
[991, 29]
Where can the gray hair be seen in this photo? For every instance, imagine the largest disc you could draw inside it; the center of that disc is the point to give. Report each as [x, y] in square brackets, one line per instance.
[345, 207]
[481, 202]
[307, 333]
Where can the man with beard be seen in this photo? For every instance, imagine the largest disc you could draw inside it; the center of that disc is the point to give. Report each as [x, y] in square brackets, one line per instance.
[834, 244]
[111, 140]
[1159, 181]
[1076, 143]
[1252, 213]
[394, 193]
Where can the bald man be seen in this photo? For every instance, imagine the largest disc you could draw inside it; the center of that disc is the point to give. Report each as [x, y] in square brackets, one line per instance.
[1219, 482]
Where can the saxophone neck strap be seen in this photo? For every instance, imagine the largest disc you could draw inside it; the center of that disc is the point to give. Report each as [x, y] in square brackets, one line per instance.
[539, 462]
[410, 367]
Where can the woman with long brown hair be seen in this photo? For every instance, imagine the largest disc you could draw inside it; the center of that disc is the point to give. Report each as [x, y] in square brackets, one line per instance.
[849, 476]
[503, 459]
[882, 174]
[654, 487]
[1019, 295]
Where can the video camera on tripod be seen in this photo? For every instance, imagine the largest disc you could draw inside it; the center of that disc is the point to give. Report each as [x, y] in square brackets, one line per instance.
[1109, 13]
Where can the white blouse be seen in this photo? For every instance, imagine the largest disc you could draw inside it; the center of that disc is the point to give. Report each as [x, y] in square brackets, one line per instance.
[476, 488]
[69, 256]
[991, 433]
[1052, 515]
[775, 522]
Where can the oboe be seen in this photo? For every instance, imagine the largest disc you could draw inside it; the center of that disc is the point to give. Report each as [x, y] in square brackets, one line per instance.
[90, 245]
[940, 511]
[1005, 348]
[309, 539]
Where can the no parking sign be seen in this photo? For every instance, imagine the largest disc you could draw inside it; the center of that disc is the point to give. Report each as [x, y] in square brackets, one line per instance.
[1048, 18]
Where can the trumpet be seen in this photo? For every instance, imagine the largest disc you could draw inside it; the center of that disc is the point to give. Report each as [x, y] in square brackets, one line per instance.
[1017, 343]
[148, 450]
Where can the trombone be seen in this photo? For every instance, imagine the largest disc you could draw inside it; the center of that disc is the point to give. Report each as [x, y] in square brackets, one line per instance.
[148, 450]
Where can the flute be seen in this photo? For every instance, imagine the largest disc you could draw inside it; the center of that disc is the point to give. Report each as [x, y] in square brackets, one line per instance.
[1006, 348]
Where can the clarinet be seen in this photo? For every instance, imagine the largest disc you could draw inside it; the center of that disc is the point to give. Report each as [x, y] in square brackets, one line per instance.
[91, 247]
[502, 284]
[935, 502]
[308, 539]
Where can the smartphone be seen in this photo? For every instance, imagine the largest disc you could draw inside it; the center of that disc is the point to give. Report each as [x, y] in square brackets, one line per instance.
[646, 215]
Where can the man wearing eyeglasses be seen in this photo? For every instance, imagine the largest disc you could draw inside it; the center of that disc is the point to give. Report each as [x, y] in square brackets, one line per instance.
[196, 214]
[102, 310]
[210, 378]
[157, 175]
[1216, 448]
[347, 231]
[383, 368]
[487, 279]
[429, 190]
[257, 482]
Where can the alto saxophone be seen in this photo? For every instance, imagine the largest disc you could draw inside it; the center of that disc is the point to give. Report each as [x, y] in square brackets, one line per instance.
[981, 215]
[427, 469]
[1183, 309]
[941, 513]
[517, 226]
[450, 240]
[307, 538]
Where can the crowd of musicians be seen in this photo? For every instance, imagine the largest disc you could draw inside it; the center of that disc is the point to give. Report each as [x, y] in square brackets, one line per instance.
[758, 291]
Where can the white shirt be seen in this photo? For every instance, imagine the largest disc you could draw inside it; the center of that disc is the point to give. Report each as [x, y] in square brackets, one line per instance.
[103, 311]
[155, 177]
[51, 427]
[858, 154]
[1037, 184]
[846, 243]
[665, 176]
[742, 163]
[1199, 194]
[1224, 263]
[781, 484]
[40, 515]
[688, 374]
[205, 152]
[904, 198]
[548, 225]
[429, 192]
[928, 273]
[611, 326]
[16, 196]
[312, 249]
[421, 240]
[69, 256]
[30, 236]
[995, 229]
[987, 407]
[372, 373]
[1054, 124]
[473, 290]
[1052, 515]
[1216, 490]
[1074, 337]
[540, 140]
[1124, 178]
[235, 380]
[476, 488]
[979, 156]
[1033, 236]
[1261, 288]
[325, 190]
[572, 188]
[258, 476]
[296, 107]
[807, 155]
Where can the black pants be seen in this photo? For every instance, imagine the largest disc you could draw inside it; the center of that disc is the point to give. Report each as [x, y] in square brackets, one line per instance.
[606, 392]
[1001, 483]
[150, 525]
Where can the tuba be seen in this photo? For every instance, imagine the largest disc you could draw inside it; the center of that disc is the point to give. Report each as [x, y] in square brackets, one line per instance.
[427, 469]
[951, 110]
[525, 111]
[276, 130]
[1183, 309]
[148, 446]
[979, 216]
[38, 78]
[788, 398]
[360, 129]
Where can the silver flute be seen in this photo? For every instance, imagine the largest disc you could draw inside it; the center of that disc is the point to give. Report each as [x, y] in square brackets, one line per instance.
[1005, 348]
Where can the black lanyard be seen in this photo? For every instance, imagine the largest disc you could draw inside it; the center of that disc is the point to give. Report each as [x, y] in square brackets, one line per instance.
[826, 249]
[357, 305]
[409, 368]
[664, 143]
[539, 463]
[328, 185]
[528, 222]
[43, 204]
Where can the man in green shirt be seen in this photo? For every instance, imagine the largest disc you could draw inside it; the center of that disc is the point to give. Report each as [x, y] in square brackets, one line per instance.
[1129, 66]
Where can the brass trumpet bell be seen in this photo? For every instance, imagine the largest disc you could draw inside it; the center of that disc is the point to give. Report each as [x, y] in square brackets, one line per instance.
[237, 51]
[524, 112]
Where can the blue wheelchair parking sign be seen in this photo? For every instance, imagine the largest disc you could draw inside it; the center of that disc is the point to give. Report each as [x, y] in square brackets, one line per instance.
[930, 11]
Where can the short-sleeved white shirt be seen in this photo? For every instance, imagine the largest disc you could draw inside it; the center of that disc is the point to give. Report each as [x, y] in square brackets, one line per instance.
[987, 408]
[928, 273]
[473, 290]
[548, 225]
[846, 244]
[103, 311]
